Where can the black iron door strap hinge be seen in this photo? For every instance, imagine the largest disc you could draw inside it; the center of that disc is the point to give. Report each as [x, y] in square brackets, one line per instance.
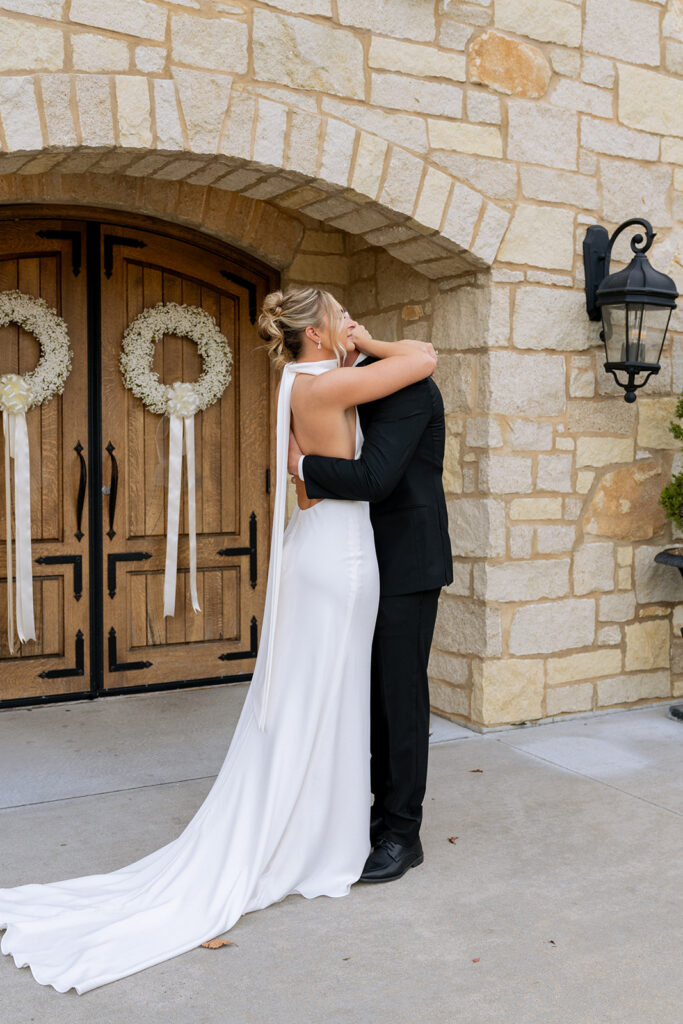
[62, 673]
[253, 645]
[74, 560]
[109, 241]
[251, 551]
[70, 236]
[122, 666]
[124, 556]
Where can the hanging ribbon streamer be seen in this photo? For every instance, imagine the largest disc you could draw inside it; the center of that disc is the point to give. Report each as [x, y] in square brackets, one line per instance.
[180, 416]
[260, 685]
[14, 400]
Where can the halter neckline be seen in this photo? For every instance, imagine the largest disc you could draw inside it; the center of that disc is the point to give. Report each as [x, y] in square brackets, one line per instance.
[311, 362]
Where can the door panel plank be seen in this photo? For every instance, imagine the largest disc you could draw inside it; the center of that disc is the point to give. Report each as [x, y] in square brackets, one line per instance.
[213, 605]
[153, 484]
[194, 621]
[136, 421]
[156, 624]
[191, 369]
[230, 414]
[29, 354]
[53, 625]
[137, 592]
[210, 464]
[50, 414]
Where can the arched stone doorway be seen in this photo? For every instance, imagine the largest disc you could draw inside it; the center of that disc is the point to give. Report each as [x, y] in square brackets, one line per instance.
[398, 273]
[99, 550]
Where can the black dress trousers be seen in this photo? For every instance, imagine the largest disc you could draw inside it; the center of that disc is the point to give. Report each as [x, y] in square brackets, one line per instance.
[399, 722]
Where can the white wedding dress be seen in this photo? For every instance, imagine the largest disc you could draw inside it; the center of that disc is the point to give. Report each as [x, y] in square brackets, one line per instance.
[288, 812]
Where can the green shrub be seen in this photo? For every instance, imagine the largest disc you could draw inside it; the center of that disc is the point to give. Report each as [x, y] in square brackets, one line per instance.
[671, 498]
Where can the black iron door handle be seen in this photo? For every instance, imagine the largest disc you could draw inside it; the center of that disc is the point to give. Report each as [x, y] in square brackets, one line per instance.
[80, 500]
[113, 488]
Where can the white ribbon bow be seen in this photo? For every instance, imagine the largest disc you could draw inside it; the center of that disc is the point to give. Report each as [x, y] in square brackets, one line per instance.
[182, 407]
[14, 400]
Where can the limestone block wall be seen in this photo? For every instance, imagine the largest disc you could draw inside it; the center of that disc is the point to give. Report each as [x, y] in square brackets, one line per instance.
[436, 163]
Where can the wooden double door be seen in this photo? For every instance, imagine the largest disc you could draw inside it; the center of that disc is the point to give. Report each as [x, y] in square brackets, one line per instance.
[99, 465]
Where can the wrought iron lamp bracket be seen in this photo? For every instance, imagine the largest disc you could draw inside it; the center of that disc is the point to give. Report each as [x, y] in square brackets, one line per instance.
[597, 252]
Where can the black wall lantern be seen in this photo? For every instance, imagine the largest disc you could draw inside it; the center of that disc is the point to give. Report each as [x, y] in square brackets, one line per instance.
[635, 305]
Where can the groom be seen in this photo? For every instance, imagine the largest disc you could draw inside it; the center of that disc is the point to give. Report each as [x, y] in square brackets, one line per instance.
[399, 472]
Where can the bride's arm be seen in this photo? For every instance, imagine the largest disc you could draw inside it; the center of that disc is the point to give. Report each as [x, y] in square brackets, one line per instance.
[391, 439]
[399, 363]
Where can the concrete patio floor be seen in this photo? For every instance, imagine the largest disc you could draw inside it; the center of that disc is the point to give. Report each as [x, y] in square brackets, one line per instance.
[561, 902]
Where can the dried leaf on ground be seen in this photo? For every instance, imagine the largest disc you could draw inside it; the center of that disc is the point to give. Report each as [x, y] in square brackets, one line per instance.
[453, 839]
[474, 771]
[217, 943]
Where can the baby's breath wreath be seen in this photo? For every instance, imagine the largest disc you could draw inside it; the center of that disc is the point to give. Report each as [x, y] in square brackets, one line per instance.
[18, 394]
[179, 401]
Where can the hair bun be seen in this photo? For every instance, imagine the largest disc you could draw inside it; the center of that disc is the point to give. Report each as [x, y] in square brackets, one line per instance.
[286, 315]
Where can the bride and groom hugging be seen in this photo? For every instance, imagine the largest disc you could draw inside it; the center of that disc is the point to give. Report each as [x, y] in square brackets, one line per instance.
[400, 473]
[351, 601]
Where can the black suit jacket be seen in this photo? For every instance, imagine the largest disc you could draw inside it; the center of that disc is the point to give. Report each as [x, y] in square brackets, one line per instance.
[399, 472]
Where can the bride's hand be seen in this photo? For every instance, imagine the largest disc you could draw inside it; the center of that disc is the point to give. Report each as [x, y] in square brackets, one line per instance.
[360, 337]
[352, 352]
[424, 346]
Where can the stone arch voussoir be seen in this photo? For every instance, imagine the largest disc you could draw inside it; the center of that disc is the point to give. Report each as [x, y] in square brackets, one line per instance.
[156, 136]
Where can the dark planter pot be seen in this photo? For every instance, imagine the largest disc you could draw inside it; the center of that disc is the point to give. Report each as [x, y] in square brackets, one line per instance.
[673, 557]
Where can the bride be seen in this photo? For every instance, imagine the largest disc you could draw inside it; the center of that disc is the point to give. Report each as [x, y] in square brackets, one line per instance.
[289, 810]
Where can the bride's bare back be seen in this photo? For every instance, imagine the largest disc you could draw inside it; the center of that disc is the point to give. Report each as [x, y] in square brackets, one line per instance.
[320, 429]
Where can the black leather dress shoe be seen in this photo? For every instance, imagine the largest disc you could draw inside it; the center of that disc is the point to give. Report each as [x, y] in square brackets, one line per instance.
[390, 860]
[376, 827]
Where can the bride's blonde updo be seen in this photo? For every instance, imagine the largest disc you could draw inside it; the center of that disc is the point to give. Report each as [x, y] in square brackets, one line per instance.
[286, 315]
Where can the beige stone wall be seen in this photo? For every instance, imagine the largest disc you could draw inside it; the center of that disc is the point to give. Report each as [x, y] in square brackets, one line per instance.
[435, 162]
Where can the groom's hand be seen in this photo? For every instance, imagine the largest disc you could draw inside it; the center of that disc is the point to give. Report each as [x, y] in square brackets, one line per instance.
[293, 457]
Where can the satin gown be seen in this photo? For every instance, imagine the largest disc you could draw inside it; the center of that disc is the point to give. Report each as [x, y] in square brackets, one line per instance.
[288, 812]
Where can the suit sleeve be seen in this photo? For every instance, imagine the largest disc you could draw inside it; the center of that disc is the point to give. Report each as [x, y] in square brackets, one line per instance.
[392, 435]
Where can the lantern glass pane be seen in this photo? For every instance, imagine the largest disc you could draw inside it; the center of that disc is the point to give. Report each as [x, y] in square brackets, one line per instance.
[635, 332]
[655, 321]
[614, 326]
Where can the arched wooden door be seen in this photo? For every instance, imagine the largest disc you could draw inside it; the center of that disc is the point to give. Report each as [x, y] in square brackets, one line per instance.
[127, 265]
